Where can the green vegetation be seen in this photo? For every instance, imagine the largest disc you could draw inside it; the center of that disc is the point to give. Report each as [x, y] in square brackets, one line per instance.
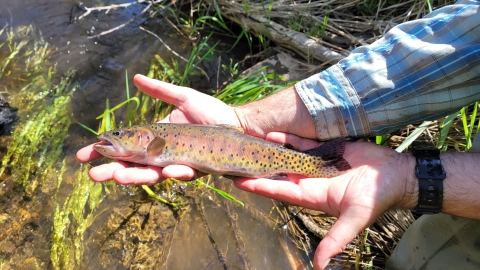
[34, 157]
[67, 244]
[36, 144]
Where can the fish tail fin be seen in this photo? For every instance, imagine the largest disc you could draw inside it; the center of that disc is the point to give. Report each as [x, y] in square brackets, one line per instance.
[331, 154]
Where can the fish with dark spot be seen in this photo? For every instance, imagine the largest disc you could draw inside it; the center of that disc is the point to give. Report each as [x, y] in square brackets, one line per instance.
[152, 146]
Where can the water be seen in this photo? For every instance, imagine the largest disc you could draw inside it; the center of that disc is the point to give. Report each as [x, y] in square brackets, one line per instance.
[123, 228]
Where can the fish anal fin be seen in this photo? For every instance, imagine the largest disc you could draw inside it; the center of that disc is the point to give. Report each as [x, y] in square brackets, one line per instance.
[156, 146]
[232, 127]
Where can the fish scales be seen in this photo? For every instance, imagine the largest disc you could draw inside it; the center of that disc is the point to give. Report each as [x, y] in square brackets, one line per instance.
[218, 149]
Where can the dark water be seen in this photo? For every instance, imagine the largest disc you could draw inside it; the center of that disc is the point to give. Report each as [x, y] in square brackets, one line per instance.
[127, 229]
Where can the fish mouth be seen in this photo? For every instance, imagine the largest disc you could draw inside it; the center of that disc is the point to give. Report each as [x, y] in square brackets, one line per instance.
[108, 149]
[104, 144]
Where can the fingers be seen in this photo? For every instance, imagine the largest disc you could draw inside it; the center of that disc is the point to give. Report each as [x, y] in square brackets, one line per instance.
[167, 92]
[298, 143]
[127, 174]
[87, 154]
[123, 173]
[180, 172]
[105, 172]
[296, 191]
[148, 175]
[339, 236]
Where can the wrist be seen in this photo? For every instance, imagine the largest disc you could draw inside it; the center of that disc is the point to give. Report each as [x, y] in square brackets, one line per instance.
[282, 112]
[409, 199]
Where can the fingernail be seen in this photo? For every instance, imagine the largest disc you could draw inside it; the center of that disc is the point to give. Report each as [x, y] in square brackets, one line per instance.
[326, 264]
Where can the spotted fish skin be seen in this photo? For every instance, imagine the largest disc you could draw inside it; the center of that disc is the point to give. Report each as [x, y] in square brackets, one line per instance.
[219, 149]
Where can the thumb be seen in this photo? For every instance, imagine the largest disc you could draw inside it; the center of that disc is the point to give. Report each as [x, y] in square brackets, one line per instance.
[341, 233]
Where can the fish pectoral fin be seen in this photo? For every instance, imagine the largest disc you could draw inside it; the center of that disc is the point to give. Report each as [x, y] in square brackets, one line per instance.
[156, 146]
[233, 127]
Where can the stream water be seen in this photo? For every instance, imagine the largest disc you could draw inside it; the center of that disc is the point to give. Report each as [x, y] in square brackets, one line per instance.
[124, 229]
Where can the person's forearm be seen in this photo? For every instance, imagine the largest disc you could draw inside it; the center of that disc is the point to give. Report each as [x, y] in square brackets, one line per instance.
[461, 187]
[282, 112]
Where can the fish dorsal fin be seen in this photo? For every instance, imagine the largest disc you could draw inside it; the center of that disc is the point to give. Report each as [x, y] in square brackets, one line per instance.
[155, 147]
[232, 127]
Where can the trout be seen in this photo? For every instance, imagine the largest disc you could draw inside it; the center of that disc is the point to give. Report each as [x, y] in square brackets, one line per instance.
[219, 149]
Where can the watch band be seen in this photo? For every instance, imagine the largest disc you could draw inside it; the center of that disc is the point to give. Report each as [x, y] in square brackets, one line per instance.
[430, 174]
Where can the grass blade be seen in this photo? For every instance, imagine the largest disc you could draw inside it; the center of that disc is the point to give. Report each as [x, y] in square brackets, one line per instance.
[413, 136]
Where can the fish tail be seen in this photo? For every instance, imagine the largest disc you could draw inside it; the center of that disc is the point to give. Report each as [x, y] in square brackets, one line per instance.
[331, 154]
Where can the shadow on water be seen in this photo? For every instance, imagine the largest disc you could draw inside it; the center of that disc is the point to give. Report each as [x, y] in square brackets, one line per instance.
[53, 216]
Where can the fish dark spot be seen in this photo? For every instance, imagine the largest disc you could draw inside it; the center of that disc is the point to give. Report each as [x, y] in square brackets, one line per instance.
[269, 157]
[211, 151]
[264, 156]
[204, 147]
[231, 155]
[176, 143]
[175, 135]
[183, 144]
[243, 158]
[256, 161]
[236, 154]
[221, 149]
[253, 153]
[190, 145]
[164, 129]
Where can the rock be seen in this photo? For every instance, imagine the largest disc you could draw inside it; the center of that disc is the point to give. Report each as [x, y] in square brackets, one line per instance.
[8, 117]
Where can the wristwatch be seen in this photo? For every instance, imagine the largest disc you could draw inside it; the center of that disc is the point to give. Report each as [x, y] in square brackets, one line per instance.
[430, 174]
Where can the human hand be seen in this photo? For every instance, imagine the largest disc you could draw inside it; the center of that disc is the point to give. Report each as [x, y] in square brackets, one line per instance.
[190, 107]
[380, 179]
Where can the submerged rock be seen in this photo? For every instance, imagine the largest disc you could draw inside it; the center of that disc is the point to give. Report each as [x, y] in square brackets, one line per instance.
[8, 117]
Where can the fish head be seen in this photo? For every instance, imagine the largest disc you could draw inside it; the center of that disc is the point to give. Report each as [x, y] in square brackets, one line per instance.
[128, 144]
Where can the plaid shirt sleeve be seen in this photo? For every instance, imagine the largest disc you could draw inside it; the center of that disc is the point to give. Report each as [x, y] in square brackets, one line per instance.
[420, 70]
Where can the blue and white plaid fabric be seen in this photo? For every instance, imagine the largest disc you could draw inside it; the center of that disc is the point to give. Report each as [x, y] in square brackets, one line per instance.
[420, 70]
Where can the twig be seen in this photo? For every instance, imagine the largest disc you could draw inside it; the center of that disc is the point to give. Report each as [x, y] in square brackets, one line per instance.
[108, 8]
[175, 53]
[221, 257]
[122, 25]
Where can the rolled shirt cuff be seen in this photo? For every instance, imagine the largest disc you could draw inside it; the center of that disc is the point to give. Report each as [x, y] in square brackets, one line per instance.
[334, 105]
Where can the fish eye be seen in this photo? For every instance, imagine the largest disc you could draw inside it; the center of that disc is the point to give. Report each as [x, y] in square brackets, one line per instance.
[116, 133]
